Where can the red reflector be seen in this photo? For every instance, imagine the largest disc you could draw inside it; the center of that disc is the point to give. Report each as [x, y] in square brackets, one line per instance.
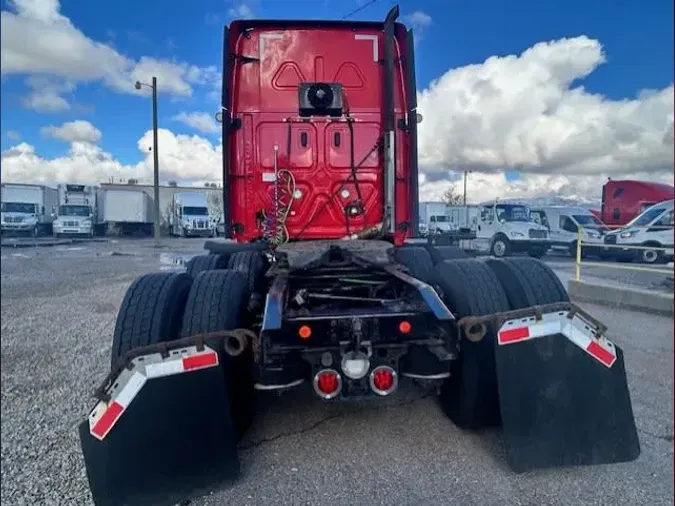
[200, 361]
[404, 327]
[327, 383]
[383, 379]
[600, 353]
[107, 420]
[509, 336]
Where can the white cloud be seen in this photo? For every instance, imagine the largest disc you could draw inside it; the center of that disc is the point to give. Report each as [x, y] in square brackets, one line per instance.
[202, 121]
[522, 113]
[45, 95]
[73, 131]
[418, 19]
[181, 157]
[481, 187]
[241, 11]
[13, 135]
[38, 39]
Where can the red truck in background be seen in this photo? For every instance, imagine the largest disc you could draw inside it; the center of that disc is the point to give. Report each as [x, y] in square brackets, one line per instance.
[624, 199]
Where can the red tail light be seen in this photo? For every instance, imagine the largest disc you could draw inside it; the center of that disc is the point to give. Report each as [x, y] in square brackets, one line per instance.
[327, 383]
[383, 380]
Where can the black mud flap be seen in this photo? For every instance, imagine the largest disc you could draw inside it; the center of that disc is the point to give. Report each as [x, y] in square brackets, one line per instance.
[563, 394]
[172, 439]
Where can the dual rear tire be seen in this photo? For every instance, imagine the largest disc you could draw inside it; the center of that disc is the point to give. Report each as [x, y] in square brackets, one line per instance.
[478, 287]
[162, 307]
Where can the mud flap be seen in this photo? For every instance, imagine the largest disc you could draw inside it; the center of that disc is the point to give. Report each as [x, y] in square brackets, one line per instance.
[162, 437]
[563, 394]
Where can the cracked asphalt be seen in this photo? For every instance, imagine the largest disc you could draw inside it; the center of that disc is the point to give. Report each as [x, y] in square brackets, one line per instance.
[58, 309]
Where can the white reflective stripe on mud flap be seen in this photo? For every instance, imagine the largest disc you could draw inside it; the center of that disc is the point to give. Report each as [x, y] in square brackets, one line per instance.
[576, 330]
[600, 349]
[179, 364]
[516, 331]
[104, 416]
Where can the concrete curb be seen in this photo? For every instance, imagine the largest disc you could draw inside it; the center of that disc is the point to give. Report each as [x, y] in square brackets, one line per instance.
[648, 301]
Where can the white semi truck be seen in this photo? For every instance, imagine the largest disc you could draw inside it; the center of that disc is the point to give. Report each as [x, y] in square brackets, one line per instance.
[77, 214]
[501, 228]
[127, 212]
[190, 216]
[27, 208]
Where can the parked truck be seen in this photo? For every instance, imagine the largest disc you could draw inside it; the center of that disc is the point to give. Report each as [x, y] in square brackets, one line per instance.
[77, 213]
[190, 216]
[501, 228]
[433, 217]
[26, 209]
[319, 289]
[127, 212]
[623, 200]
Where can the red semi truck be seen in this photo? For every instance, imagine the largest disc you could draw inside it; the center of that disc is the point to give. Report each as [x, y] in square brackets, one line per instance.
[319, 290]
[623, 200]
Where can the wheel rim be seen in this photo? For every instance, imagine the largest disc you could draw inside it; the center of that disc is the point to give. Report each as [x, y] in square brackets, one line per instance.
[649, 256]
[499, 248]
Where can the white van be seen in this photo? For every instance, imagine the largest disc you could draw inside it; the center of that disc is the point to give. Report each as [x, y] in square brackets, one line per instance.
[564, 222]
[653, 227]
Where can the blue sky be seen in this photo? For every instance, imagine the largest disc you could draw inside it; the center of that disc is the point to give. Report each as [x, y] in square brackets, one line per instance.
[637, 38]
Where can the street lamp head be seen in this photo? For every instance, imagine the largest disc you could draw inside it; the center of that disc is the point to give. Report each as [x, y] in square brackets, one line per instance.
[137, 85]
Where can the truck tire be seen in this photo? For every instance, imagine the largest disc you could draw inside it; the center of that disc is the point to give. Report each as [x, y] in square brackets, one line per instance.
[469, 396]
[440, 253]
[416, 260]
[217, 301]
[251, 264]
[201, 263]
[151, 312]
[528, 281]
[501, 246]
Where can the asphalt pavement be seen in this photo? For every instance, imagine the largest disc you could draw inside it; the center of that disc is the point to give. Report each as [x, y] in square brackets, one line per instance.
[58, 309]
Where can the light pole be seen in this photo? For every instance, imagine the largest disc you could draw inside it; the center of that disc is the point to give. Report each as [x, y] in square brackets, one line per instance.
[466, 210]
[155, 152]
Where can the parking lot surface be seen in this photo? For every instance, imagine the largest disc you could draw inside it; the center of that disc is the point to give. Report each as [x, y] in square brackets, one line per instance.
[58, 310]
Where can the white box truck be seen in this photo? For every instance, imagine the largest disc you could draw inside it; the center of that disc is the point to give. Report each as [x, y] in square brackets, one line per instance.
[433, 218]
[190, 216]
[77, 213]
[501, 228]
[126, 212]
[27, 209]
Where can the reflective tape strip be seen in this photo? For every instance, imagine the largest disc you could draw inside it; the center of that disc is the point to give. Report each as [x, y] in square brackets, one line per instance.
[518, 334]
[602, 350]
[179, 365]
[102, 422]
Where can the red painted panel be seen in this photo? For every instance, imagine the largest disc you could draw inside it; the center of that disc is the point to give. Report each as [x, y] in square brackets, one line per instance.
[264, 95]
